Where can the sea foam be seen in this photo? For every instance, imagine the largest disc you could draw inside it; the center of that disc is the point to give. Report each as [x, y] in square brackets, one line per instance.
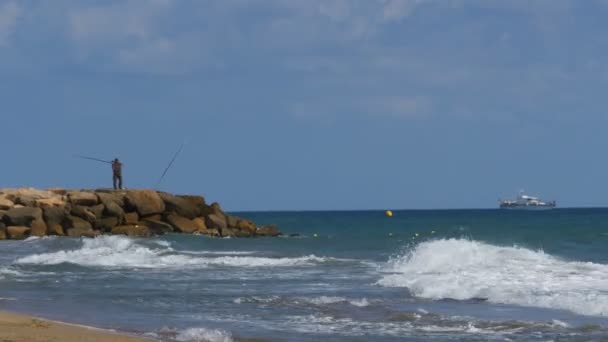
[204, 335]
[463, 269]
[120, 251]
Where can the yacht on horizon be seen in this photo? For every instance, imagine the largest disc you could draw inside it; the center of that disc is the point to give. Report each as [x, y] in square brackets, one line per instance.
[526, 202]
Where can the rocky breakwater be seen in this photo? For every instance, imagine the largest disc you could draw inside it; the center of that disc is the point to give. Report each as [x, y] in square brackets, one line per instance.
[88, 213]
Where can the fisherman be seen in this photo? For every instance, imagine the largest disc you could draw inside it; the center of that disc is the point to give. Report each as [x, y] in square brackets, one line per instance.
[117, 173]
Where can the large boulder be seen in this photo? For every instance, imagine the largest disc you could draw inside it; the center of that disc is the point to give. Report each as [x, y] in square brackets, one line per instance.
[270, 230]
[199, 222]
[39, 228]
[227, 232]
[179, 205]
[81, 232]
[49, 202]
[72, 222]
[23, 216]
[85, 198]
[106, 224]
[145, 202]
[55, 229]
[84, 213]
[131, 218]
[17, 232]
[231, 221]
[97, 210]
[114, 197]
[25, 201]
[54, 214]
[54, 217]
[131, 230]
[197, 201]
[2, 231]
[181, 224]
[5, 203]
[216, 221]
[246, 225]
[157, 227]
[113, 209]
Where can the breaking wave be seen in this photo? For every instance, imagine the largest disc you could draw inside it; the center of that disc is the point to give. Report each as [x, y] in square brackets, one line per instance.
[119, 251]
[463, 269]
[204, 335]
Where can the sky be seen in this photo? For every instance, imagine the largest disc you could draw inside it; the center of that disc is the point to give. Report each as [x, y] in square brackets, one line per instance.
[310, 105]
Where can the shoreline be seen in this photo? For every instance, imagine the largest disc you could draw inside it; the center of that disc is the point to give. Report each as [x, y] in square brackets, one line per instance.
[17, 327]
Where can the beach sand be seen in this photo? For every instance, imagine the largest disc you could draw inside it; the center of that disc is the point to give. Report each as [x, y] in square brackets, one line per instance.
[16, 327]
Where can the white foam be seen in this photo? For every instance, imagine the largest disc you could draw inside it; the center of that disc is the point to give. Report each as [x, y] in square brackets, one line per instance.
[324, 300]
[120, 251]
[204, 335]
[463, 269]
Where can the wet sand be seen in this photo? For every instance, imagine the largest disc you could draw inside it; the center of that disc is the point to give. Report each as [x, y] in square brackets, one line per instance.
[18, 328]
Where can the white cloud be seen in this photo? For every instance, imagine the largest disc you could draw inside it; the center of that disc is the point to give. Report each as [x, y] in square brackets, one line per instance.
[9, 13]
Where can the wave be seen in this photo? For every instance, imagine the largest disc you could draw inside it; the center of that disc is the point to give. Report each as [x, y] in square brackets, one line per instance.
[463, 269]
[204, 335]
[119, 251]
[319, 301]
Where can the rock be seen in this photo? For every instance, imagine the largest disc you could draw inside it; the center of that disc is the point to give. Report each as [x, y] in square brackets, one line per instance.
[231, 221]
[145, 202]
[246, 225]
[132, 230]
[84, 213]
[211, 232]
[17, 232]
[215, 221]
[76, 223]
[25, 201]
[157, 227]
[181, 224]
[58, 191]
[22, 216]
[200, 224]
[106, 224]
[115, 197]
[6, 204]
[226, 232]
[54, 215]
[156, 217]
[49, 202]
[180, 206]
[216, 209]
[113, 209]
[270, 230]
[85, 198]
[81, 232]
[197, 201]
[39, 228]
[55, 229]
[2, 231]
[97, 210]
[131, 218]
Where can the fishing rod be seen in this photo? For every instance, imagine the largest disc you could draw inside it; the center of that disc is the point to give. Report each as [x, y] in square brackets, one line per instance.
[170, 163]
[91, 158]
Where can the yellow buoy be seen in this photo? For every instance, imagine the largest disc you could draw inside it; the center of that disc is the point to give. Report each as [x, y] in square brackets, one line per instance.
[389, 213]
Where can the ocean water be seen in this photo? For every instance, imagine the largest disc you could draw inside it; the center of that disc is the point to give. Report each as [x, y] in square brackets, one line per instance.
[449, 275]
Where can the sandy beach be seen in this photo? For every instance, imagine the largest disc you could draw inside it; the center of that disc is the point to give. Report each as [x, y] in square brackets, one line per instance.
[17, 328]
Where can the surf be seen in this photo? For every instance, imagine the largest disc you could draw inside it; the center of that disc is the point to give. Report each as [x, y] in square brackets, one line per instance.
[464, 269]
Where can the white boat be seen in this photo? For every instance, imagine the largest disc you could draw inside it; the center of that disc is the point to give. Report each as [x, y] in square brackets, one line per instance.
[524, 201]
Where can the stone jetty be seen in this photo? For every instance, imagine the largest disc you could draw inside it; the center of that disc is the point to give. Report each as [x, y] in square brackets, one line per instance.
[26, 212]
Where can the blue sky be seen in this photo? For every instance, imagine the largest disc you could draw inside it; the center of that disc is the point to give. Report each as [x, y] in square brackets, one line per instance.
[316, 104]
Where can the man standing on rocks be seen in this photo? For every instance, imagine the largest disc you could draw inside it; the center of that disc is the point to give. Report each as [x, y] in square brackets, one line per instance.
[117, 173]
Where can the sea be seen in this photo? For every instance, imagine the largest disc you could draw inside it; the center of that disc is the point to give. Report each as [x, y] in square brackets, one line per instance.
[420, 275]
